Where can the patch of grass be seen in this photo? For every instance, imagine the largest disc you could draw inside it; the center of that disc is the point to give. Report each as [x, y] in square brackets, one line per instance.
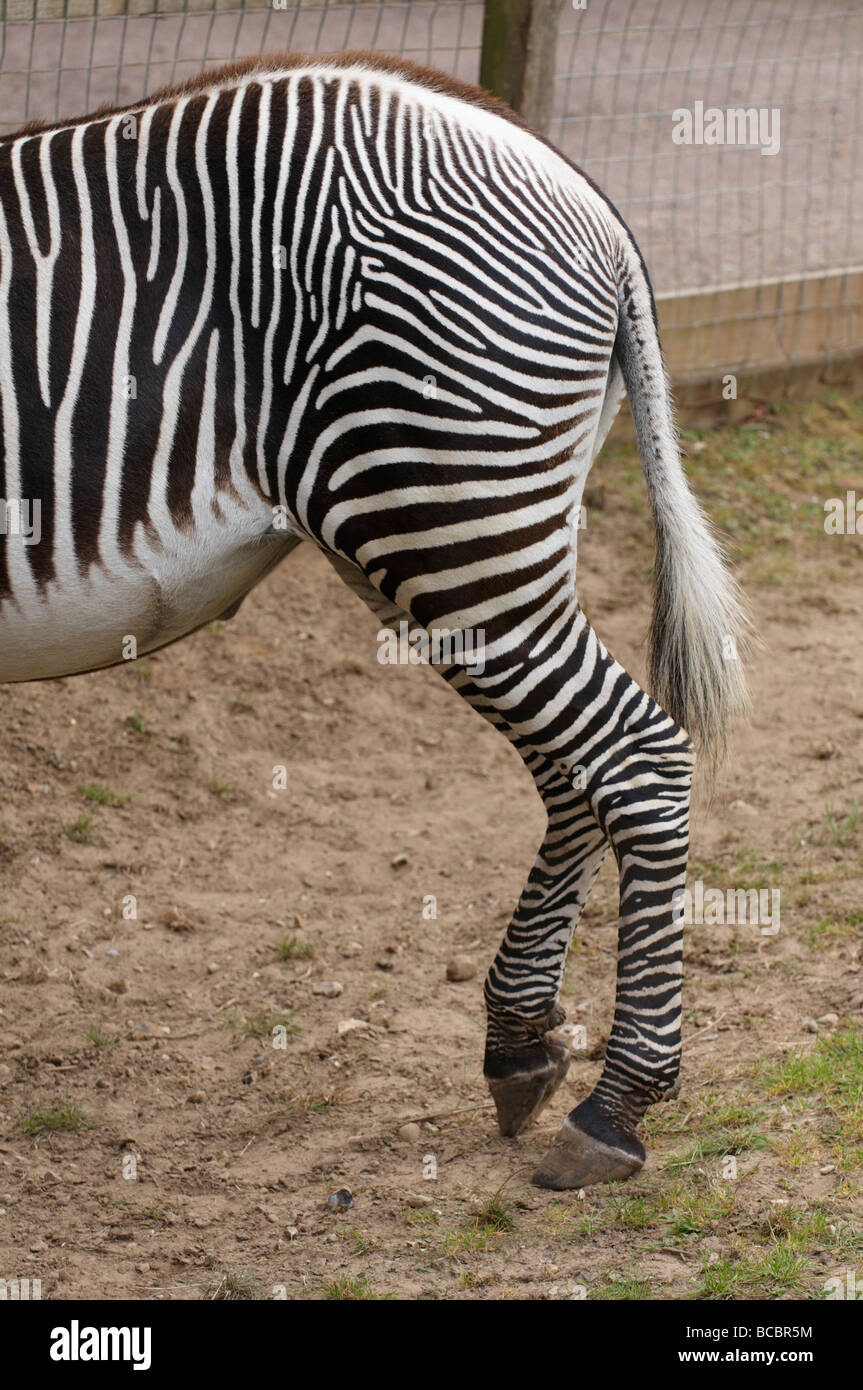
[97, 1036]
[719, 1144]
[307, 1103]
[810, 1229]
[754, 871]
[294, 947]
[828, 930]
[833, 1069]
[79, 831]
[469, 1242]
[797, 1149]
[693, 1208]
[149, 1216]
[262, 1024]
[495, 1216]
[100, 796]
[842, 827]
[634, 1212]
[348, 1288]
[621, 1290]
[360, 1243]
[237, 1287]
[49, 1119]
[137, 724]
[492, 1220]
[711, 1113]
[224, 790]
[766, 1275]
[421, 1216]
[718, 1278]
[567, 1220]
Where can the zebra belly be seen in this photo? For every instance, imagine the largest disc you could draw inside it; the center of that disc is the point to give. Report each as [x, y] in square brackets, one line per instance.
[82, 622]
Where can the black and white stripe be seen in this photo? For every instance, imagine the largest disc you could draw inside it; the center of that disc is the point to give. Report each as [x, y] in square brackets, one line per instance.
[337, 301]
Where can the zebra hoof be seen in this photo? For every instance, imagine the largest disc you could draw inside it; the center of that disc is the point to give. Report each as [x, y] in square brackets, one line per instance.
[577, 1159]
[524, 1093]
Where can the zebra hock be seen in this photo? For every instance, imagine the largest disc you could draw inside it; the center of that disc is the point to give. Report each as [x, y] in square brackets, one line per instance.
[352, 302]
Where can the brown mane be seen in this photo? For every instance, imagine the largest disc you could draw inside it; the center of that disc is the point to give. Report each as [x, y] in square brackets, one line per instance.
[265, 63]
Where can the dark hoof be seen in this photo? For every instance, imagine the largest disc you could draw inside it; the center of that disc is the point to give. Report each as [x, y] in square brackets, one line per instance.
[577, 1159]
[521, 1095]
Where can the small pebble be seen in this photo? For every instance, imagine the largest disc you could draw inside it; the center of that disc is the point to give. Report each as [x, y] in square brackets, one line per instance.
[809, 1025]
[138, 1032]
[822, 751]
[409, 1132]
[828, 1168]
[340, 1200]
[350, 1025]
[829, 1020]
[330, 989]
[461, 968]
[399, 861]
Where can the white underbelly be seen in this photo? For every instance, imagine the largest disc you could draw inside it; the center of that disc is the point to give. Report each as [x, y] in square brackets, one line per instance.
[84, 621]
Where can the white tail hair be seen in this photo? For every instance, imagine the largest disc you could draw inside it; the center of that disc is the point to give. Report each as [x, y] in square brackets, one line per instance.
[699, 633]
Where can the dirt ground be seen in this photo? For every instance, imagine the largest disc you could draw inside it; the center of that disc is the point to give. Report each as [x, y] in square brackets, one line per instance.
[155, 1143]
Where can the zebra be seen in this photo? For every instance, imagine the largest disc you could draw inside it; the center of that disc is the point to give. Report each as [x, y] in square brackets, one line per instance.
[348, 300]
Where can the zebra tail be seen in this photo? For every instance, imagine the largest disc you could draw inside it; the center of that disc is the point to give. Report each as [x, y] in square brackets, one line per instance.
[700, 632]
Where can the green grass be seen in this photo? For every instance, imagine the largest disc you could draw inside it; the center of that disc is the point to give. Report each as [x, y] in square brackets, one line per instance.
[97, 1036]
[262, 1024]
[307, 1103]
[79, 831]
[148, 1216]
[495, 1216]
[780, 1270]
[621, 1290]
[50, 1119]
[100, 796]
[360, 1243]
[841, 828]
[419, 1216]
[294, 947]
[833, 1070]
[348, 1288]
[829, 930]
[237, 1287]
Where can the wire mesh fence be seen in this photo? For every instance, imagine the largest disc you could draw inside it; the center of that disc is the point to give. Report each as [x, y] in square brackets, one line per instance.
[756, 246]
[752, 233]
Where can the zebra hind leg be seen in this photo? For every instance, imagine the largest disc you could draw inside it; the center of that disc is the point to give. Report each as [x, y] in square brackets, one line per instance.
[525, 1059]
[583, 715]
[643, 803]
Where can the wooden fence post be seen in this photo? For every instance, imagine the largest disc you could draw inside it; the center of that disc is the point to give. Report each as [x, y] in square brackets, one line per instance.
[519, 45]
